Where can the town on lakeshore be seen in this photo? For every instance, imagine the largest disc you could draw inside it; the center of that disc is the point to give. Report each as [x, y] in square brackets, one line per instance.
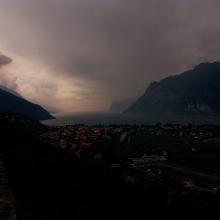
[173, 154]
[171, 167]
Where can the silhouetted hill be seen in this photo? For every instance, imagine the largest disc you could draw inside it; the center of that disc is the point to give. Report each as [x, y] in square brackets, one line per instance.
[10, 91]
[196, 91]
[14, 103]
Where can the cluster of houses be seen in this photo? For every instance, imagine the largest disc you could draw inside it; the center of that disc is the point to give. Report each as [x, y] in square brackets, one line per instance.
[80, 136]
[75, 137]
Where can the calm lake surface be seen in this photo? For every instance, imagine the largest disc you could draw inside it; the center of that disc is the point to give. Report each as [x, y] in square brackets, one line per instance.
[112, 118]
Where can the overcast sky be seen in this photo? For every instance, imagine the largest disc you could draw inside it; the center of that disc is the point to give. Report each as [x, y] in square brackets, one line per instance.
[78, 55]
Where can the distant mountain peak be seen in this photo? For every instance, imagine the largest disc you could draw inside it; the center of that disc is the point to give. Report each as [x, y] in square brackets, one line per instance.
[120, 106]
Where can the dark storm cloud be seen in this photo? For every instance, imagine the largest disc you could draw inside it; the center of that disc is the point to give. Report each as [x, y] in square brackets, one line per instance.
[117, 45]
[4, 60]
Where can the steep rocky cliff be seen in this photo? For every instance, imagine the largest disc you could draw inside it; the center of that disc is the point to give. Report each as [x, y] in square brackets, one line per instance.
[196, 91]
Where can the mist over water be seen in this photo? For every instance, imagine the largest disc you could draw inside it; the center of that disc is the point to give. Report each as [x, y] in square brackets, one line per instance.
[103, 118]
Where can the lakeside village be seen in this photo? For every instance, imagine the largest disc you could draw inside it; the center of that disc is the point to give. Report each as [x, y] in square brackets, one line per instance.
[79, 137]
[175, 155]
[182, 161]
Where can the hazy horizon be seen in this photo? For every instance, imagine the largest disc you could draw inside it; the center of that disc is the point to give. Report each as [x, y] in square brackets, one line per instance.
[79, 55]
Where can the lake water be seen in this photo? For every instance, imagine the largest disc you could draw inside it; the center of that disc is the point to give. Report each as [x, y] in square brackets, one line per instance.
[110, 118]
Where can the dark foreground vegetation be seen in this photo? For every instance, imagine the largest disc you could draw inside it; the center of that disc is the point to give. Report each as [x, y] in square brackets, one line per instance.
[49, 182]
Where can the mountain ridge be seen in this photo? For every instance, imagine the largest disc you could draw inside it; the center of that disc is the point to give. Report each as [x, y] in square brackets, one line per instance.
[14, 103]
[196, 91]
[10, 91]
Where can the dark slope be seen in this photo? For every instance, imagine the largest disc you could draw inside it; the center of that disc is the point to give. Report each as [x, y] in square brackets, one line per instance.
[10, 91]
[10, 102]
[195, 91]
